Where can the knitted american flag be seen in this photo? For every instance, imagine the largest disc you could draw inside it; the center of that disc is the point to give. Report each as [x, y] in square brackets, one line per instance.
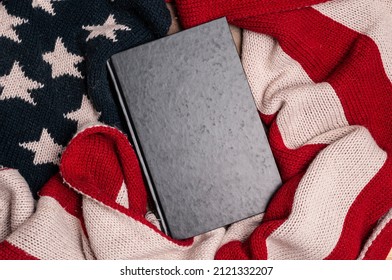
[320, 72]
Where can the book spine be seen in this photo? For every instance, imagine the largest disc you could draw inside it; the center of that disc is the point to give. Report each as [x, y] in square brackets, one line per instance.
[137, 148]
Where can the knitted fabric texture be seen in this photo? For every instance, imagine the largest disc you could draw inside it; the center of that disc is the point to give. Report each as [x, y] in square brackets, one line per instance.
[320, 73]
[53, 75]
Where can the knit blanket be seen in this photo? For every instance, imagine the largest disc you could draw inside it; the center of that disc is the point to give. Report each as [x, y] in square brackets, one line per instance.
[320, 73]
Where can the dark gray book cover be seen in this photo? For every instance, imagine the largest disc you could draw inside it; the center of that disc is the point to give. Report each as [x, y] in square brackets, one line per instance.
[196, 129]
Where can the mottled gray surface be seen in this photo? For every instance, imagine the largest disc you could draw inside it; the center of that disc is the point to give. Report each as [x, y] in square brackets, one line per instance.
[198, 129]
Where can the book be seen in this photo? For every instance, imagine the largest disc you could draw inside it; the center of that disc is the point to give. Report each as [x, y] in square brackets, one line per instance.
[196, 129]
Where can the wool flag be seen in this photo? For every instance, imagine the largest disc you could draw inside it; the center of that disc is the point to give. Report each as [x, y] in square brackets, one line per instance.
[320, 73]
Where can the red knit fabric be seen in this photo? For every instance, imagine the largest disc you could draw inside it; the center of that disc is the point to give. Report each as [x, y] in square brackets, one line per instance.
[193, 12]
[10, 252]
[378, 250]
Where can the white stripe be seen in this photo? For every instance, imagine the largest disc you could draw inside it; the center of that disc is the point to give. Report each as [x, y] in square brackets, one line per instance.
[51, 233]
[372, 18]
[384, 221]
[389, 257]
[122, 197]
[16, 201]
[332, 135]
[243, 229]
[113, 235]
[309, 113]
[323, 197]
[150, 216]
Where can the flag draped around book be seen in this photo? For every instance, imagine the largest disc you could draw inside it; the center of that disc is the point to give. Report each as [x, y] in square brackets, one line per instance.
[320, 72]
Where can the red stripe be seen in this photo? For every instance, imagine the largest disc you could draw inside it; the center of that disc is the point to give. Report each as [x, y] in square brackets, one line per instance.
[97, 161]
[291, 162]
[268, 119]
[369, 206]
[234, 250]
[66, 197]
[11, 252]
[277, 212]
[382, 245]
[195, 12]
[5, 168]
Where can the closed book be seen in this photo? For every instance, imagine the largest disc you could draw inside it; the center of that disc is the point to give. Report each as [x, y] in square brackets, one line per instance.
[196, 129]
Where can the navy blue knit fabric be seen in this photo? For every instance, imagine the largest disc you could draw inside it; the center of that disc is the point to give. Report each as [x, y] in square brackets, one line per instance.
[53, 62]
